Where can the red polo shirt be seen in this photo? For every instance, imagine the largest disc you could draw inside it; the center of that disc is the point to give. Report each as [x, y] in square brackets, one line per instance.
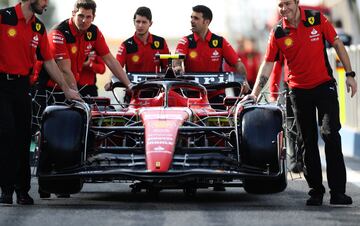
[67, 43]
[303, 48]
[20, 40]
[206, 55]
[139, 57]
[88, 73]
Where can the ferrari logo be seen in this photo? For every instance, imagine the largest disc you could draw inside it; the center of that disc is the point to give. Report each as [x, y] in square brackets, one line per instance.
[311, 20]
[157, 165]
[38, 26]
[288, 42]
[73, 49]
[12, 32]
[135, 58]
[157, 44]
[89, 35]
[193, 54]
[215, 43]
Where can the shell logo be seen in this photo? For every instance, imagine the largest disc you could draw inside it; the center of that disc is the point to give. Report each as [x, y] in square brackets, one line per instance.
[288, 42]
[73, 49]
[12, 32]
[135, 58]
[193, 54]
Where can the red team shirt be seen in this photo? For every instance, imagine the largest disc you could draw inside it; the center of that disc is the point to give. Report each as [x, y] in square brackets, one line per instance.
[88, 73]
[17, 56]
[139, 57]
[76, 46]
[304, 49]
[206, 55]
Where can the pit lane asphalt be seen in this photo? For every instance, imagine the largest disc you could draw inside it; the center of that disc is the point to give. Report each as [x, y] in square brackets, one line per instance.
[114, 204]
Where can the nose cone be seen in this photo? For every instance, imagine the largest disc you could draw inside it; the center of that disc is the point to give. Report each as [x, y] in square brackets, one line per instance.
[161, 130]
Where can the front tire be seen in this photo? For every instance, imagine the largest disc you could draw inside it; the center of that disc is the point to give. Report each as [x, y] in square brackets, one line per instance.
[253, 186]
[60, 186]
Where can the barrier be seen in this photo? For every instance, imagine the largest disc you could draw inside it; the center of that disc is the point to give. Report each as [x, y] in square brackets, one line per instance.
[349, 107]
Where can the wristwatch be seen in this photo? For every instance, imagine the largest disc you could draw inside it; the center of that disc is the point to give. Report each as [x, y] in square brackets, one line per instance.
[130, 86]
[350, 74]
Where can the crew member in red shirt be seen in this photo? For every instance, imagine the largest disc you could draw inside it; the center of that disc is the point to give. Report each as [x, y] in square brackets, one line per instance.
[137, 53]
[72, 41]
[87, 81]
[204, 50]
[22, 37]
[300, 36]
[250, 57]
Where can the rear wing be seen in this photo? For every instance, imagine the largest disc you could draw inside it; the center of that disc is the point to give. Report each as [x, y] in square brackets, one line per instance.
[205, 79]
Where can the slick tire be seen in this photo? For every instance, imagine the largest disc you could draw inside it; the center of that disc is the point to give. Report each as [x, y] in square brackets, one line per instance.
[63, 186]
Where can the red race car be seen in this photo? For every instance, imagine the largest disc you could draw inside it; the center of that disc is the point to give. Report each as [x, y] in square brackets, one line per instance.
[168, 136]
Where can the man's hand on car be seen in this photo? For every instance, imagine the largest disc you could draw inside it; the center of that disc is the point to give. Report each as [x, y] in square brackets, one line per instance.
[71, 94]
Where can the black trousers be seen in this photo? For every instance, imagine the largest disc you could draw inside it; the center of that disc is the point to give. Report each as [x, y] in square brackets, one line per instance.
[320, 104]
[15, 134]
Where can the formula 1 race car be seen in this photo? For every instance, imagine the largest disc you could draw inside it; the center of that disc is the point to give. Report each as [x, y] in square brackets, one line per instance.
[167, 137]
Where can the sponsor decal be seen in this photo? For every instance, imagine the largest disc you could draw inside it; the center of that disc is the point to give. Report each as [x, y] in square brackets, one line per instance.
[193, 54]
[311, 20]
[182, 41]
[200, 78]
[12, 32]
[314, 31]
[89, 35]
[120, 51]
[215, 56]
[215, 42]
[36, 38]
[73, 49]
[35, 41]
[288, 42]
[314, 35]
[162, 124]
[135, 58]
[58, 42]
[38, 26]
[157, 44]
[58, 37]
